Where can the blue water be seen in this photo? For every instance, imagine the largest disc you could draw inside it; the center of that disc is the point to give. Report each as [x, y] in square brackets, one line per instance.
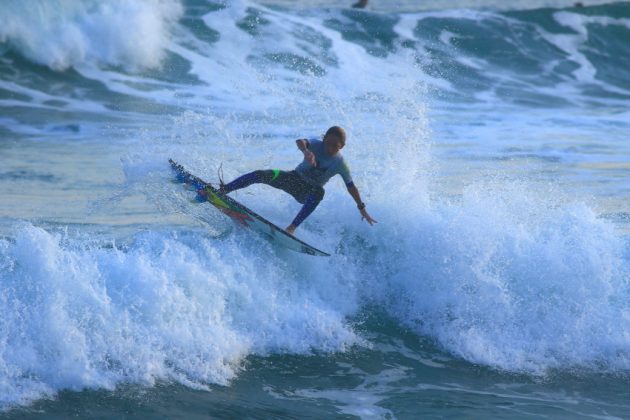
[489, 141]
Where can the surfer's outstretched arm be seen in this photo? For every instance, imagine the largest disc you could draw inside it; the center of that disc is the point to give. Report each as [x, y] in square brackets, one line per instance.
[354, 192]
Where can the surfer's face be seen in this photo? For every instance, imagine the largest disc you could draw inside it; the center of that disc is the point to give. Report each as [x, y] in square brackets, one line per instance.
[332, 145]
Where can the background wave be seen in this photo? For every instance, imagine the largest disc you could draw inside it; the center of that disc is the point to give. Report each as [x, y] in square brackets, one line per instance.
[68, 33]
[145, 49]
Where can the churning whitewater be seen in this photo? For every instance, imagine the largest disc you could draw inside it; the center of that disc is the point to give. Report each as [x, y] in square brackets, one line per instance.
[489, 143]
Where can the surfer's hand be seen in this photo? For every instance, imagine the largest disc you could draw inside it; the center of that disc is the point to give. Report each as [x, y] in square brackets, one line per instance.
[367, 217]
[310, 157]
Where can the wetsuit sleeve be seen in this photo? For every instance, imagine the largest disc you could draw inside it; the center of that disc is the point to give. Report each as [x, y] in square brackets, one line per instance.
[344, 171]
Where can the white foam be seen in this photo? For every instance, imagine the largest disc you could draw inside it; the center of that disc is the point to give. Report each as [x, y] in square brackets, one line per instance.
[77, 316]
[414, 5]
[362, 401]
[510, 278]
[573, 44]
[64, 33]
[507, 277]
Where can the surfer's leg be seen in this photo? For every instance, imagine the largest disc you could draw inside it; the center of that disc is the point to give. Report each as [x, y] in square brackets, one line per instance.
[310, 204]
[256, 177]
[291, 183]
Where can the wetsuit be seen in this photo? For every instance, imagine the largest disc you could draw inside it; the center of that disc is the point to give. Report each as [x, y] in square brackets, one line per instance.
[305, 183]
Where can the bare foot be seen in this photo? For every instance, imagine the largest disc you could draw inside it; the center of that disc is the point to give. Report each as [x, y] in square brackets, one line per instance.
[290, 229]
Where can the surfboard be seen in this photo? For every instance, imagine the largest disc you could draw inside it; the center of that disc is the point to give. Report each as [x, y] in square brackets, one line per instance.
[240, 214]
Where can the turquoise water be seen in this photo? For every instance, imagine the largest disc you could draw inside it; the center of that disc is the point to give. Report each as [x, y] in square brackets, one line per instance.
[490, 142]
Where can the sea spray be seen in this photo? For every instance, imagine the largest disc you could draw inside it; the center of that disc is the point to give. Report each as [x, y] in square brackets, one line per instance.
[77, 315]
[509, 278]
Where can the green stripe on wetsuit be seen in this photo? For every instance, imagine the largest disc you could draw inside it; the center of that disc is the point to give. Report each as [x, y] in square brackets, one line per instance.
[276, 172]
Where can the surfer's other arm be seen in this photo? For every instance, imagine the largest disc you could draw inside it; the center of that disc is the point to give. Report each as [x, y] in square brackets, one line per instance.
[354, 192]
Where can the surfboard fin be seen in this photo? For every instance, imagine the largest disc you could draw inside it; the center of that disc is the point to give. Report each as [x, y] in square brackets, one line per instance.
[221, 189]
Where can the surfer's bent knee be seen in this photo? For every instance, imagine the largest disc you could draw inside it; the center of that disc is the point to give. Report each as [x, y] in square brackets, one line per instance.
[318, 194]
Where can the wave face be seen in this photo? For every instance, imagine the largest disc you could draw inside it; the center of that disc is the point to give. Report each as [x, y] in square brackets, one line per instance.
[489, 143]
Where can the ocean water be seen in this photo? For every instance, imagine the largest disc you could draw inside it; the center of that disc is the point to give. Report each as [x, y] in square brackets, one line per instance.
[488, 138]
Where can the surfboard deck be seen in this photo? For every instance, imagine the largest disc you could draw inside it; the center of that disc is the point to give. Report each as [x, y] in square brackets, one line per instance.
[240, 214]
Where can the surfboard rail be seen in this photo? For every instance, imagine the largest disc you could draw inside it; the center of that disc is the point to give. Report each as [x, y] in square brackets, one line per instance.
[242, 215]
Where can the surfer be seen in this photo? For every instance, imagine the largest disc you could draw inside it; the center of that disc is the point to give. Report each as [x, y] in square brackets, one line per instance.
[305, 183]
